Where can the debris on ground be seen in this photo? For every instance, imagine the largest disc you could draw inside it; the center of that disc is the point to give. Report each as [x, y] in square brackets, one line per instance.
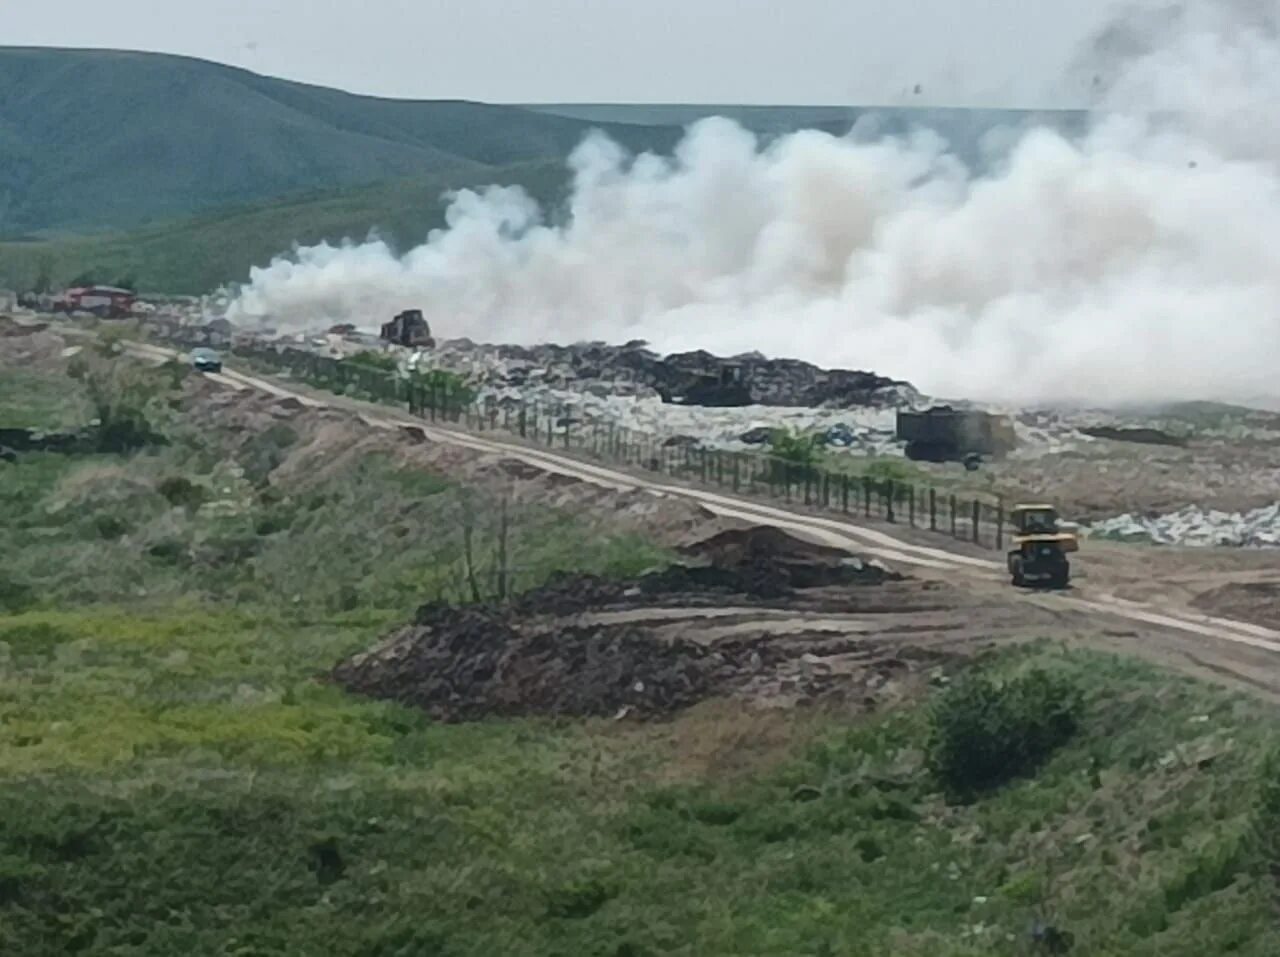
[1198, 527]
[1140, 436]
[583, 646]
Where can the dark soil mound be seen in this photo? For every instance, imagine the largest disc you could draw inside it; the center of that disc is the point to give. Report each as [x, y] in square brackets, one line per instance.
[785, 559]
[535, 656]
[1140, 436]
[472, 664]
[1258, 602]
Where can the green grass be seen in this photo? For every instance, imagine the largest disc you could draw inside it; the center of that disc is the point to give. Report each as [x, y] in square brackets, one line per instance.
[180, 783]
[198, 255]
[174, 778]
[31, 400]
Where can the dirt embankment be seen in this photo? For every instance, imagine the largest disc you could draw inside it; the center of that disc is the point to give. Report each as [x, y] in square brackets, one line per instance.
[581, 646]
[328, 442]
[31, 345]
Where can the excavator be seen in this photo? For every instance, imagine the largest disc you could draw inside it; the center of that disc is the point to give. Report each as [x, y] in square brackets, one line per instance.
[1040, 548]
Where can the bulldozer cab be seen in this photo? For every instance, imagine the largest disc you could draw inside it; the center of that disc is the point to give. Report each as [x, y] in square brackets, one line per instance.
[1035, 519]
[1041, 523]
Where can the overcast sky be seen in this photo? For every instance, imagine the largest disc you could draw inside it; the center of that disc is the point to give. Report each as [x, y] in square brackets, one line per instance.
[961, 52]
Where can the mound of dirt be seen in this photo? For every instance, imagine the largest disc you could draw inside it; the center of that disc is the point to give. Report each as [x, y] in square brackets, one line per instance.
[543, 655]
[32, 345]
[472, 664]
[1257, 602]
[1139, 436]
[767, 554]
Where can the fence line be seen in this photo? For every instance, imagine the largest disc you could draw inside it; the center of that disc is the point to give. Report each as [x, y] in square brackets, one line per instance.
[443, 398]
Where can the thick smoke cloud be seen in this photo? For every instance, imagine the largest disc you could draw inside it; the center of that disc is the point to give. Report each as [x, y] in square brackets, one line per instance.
[1139, 262]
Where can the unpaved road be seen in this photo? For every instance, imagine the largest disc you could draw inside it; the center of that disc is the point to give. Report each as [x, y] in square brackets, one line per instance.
[1151, 620]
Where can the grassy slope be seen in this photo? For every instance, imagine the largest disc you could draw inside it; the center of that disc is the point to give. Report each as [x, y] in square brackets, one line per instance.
[173, 780]
[112, 139]
[196, 256]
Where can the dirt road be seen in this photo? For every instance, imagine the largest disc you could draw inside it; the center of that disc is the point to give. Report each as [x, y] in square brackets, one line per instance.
[1134, 614]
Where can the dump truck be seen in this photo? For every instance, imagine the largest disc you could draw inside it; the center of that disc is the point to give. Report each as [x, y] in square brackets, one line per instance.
[1041, 543]
[944, 434]
[409, 328]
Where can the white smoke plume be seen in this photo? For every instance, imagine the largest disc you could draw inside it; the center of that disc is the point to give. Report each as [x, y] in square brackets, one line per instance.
[1141, 262]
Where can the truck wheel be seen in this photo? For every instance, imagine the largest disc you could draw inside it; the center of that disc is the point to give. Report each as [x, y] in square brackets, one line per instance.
[1015, 567]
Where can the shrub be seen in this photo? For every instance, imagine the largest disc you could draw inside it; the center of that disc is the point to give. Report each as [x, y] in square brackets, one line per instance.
[894, 470]
[110, 527]
[795, 455]
[447, 391]
[383, 361]
[181, 492]
[985, 732]
[266, 452]
[578, 899]
[123, 396]
[15, 596]
[170, 551]
[1266, 813]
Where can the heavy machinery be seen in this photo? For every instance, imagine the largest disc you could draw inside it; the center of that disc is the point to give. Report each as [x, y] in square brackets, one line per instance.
[408, 329]
[944, 434]
[1040, 548]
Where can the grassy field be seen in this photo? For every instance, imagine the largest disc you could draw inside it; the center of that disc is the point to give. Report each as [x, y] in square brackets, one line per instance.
[174, 779]
[199, 255]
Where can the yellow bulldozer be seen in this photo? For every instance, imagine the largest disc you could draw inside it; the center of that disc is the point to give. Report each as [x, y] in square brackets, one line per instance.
[1038, 557]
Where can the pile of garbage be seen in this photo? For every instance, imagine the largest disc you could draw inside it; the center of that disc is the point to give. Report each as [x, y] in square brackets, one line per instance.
[1194, 526]
[543, 654]
[693, 378]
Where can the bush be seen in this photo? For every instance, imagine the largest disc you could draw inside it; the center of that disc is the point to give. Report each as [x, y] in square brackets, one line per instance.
[123, 396]
[110, 527]
[383, 361]
[894, 470]
[181, 492]
[15, 596]
[448, 391]
[1266, 815]
[985, 732]
[266, 452]
[795, 455]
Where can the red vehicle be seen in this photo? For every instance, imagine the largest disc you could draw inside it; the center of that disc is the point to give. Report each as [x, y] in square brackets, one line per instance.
[105, 301]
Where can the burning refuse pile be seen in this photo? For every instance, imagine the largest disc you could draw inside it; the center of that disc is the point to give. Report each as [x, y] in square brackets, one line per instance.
[584, 646]
[694, 378]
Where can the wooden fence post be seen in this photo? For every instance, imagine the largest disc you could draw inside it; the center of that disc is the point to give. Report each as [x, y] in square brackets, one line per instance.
[889, 492]
[933, 509]
[977, 517]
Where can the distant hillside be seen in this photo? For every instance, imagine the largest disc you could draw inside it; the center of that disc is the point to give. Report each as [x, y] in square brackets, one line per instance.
[112, 140]
[964, 129]
[196, 255]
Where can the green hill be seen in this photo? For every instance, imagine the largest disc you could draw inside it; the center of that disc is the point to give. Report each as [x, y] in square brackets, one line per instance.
[966, 130]
[196, 255]
[116, 140]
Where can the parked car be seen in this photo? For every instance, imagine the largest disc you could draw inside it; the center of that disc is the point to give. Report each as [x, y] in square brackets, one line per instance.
[206, 360]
